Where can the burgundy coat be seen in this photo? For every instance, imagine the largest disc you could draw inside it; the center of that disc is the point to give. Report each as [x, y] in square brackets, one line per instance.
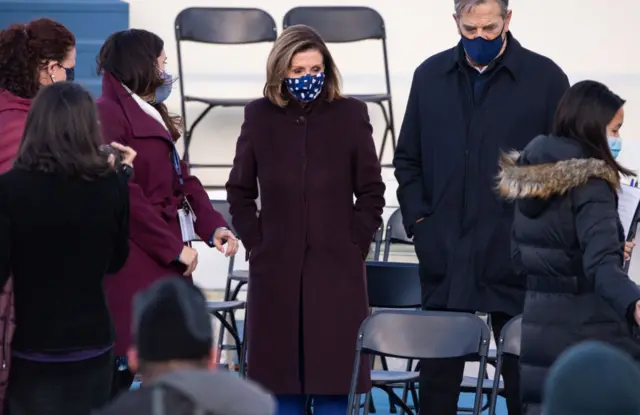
[13, 115]
[307, 295]
[155, 195]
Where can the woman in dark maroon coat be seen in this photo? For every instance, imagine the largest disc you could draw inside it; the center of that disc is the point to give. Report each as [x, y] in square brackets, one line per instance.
[132, 113]
[311, 150]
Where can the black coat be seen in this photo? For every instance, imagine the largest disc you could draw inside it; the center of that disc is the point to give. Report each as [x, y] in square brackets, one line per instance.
[456, 123]
[569, 242]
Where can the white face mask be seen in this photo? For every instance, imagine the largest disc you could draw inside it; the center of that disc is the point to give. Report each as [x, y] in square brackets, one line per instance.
[615, 144]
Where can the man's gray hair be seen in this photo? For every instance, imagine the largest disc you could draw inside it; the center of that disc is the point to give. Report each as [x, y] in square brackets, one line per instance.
[465, 6]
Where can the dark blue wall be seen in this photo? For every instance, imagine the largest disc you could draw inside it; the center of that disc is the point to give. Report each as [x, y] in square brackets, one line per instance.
[91, 21]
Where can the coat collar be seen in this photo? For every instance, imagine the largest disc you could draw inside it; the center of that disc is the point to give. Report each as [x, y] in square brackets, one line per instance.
[544, 181]
[141, 123]
[510, 59]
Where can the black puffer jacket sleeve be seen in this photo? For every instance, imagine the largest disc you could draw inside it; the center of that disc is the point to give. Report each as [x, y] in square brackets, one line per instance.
[596, 221]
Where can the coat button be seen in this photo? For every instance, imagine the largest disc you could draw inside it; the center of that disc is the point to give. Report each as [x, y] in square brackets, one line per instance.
[301, 119]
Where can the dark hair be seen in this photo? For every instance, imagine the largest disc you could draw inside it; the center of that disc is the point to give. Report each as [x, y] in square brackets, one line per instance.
[62, 135]
[583, 114]
[131, 56]
[27, 49]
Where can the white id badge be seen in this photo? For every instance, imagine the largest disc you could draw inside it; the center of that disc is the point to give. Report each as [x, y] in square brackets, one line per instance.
[186, 225]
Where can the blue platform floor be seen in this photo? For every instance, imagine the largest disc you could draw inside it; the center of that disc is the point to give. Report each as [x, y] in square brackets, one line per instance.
[466, 401]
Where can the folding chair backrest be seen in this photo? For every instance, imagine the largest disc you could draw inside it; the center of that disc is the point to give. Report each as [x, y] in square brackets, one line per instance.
[337, 24]
[222, 207]
[511, 336]
[395, 233]
[220, 25]
[393, 285]
[424, 334]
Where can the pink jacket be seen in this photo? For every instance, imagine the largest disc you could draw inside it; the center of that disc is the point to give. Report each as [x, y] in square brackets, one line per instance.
[13, 114]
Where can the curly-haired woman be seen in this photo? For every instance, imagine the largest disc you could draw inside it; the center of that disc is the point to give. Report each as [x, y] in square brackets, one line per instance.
[38, 53]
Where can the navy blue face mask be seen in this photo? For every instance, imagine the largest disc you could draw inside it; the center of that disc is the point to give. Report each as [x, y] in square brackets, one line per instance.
[71, 73]
[483, 51]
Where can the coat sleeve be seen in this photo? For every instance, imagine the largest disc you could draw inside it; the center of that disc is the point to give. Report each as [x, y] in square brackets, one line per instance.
[121, 251]
[408, 162]
[150, 232]
[242, 186]
[558, 85]
[368, 185]
[5, 239]
[596, 219]
[207, 218]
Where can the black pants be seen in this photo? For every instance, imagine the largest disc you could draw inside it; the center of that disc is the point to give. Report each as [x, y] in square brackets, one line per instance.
[73, 388]
[440, 379]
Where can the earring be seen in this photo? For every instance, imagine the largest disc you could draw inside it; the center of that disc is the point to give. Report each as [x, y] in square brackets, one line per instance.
[53, 80]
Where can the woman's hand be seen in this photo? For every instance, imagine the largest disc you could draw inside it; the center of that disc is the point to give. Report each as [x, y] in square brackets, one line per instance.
[225, 235]
[128, 154]
[189, 257]
[628, 248]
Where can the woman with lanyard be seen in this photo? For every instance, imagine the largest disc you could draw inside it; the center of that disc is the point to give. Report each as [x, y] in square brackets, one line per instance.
[169, 207]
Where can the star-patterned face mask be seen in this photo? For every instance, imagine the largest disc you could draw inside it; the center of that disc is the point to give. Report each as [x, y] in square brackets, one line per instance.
[306, 88]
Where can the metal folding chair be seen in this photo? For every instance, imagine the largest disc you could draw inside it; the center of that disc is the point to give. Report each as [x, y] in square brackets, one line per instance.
[237, 277]
[394, 285]
[220, 26]
[338, 24]
[421, 335]
[509, 344]
[395, 234]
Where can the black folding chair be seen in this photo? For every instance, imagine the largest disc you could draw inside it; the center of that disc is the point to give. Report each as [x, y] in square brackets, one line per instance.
[395, 234]
[509, 344]
[377, 243]
[394, 285]
[338, 24]
[421, 335]
[221, 26]
[237, 277]
[220, 310]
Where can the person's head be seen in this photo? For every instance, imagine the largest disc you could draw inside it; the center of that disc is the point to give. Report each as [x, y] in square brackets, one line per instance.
[61, 135]
[483, 27]
[172, 329]
[300, 66]
[39, 53]
[592, 378]
[592, 114]
[137, 59]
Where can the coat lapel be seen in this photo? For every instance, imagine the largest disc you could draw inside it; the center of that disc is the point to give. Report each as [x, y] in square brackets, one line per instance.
[142, 125]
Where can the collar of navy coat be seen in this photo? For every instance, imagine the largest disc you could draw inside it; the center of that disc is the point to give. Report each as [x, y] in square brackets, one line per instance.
[547, 180]
[510, 59]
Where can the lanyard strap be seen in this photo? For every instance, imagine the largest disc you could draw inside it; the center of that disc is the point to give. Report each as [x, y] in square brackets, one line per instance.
[176, 164]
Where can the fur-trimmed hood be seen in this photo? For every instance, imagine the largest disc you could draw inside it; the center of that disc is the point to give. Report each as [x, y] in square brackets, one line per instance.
[544, 181]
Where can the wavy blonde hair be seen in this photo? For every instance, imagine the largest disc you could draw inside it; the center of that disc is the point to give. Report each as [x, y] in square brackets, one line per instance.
[293, 40]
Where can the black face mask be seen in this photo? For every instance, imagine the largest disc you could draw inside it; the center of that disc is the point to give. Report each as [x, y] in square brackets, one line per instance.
[71, 73]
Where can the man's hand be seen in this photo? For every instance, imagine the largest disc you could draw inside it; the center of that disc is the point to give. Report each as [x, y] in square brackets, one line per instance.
[224, 235]
[628, 248]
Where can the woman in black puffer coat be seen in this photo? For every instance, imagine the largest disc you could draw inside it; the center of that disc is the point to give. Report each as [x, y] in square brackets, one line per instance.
[567, 236]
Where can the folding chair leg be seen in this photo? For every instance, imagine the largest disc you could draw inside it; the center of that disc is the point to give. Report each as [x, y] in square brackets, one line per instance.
[392, 396]
[367, 403]
[243, 346]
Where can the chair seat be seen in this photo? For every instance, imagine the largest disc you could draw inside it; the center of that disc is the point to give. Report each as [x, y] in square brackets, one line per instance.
[372, 97]
[221, 102]
[213, 306]
[470, 382]
[384, 377]
[240, 275]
